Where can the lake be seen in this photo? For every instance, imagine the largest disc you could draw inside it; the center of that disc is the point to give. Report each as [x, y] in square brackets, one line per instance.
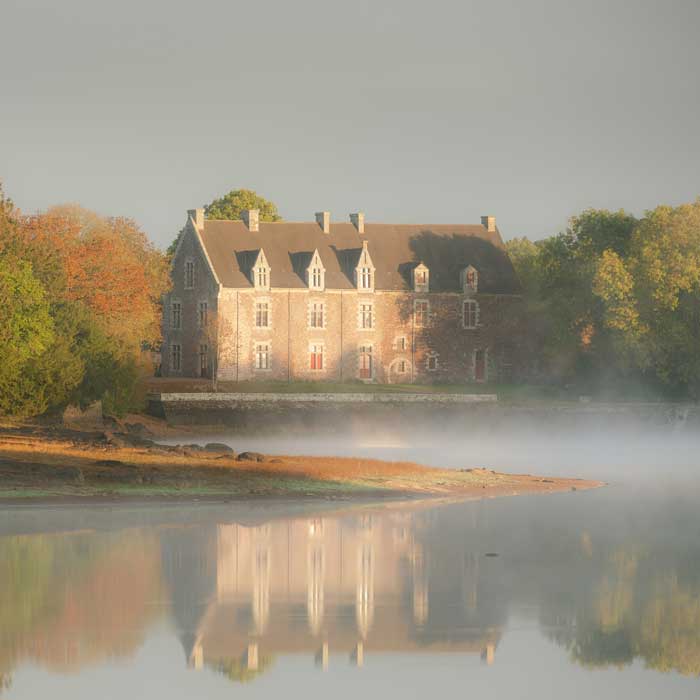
[574, 595]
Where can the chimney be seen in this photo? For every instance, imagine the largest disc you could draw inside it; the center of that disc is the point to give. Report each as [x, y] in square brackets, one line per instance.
[323, 219]
[197, 216]
[358, 221]
[489, 223]
[251, 218]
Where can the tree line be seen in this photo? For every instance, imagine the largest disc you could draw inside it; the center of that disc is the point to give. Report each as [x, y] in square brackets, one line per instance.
[80, 299]
[81, 305]
[613, 302]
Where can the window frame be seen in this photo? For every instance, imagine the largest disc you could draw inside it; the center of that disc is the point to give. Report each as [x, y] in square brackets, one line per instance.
[425, 315]
[190, 276]
[365, 316]
[203, 313]
[366, 350]
[203, 359]
[176, 304]
[317, 356]
[476, 314]
[259, 353]
[432, 358]
[258, 314]
[316, 314]
[175, 354]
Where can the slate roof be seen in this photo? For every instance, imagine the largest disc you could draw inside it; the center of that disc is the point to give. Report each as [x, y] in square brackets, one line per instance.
[395, 250]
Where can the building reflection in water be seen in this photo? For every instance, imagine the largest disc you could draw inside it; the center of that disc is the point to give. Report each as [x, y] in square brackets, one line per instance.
[336, 586]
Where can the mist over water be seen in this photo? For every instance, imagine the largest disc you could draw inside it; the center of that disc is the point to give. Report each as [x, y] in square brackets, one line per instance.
[587, 594]
[613, 449]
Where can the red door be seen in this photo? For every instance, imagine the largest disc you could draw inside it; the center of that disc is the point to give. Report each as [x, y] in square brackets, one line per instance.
[480, 365]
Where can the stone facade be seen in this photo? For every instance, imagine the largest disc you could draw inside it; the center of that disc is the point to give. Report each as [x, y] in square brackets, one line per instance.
[265, 332]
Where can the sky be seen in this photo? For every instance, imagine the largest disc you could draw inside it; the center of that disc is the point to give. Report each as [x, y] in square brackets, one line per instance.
[411, 111]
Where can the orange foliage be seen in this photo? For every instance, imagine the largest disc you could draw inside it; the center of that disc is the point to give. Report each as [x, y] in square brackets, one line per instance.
[107, 264]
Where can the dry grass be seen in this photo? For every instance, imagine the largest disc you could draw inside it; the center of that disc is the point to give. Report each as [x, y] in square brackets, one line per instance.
[30, 461]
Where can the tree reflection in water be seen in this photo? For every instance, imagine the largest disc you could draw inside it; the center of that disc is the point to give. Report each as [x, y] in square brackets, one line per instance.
[612, 582]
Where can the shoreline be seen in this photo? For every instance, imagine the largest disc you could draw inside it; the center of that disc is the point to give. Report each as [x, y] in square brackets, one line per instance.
[52, 465]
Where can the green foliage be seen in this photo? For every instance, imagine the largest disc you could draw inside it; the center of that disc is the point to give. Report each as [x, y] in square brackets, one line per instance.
[234, 202]
[651, 298]
[26, 330]
[55, 349]
[229, 207]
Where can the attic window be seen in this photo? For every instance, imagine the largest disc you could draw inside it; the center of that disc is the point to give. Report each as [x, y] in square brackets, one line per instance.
[316, 273]
[261, 278]
[421, 277]
[470, 280]
[364, 272]
[365, 278]
[261, 272]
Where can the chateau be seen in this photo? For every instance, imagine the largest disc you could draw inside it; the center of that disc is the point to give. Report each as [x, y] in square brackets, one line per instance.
[329, 301]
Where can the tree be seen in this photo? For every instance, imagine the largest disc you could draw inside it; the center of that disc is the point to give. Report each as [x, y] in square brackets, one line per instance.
[234, 202]
[651, 299]
[229, 207]
[557, 274]
[106, 264]
[26, 329]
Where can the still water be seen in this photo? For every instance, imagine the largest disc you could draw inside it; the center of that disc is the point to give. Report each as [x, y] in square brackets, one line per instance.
[575, 595]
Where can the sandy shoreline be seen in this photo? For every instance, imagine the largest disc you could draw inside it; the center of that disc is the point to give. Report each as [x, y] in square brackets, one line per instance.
[51, 465]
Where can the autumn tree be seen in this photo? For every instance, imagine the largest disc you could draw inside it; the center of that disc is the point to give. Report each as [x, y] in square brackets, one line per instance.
[80, 296]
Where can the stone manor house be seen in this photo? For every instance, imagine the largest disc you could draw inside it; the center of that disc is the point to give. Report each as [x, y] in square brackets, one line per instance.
[331, 301]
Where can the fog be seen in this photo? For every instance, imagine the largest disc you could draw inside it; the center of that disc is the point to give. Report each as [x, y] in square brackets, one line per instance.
[618, 449]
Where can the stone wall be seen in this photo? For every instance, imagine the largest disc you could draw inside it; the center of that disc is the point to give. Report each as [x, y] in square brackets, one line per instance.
[401, 349]
[191, 335]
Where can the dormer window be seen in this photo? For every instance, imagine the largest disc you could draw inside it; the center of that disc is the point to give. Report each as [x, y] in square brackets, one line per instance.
[365, 278]
[364, 272]
[316, 273]
[421, 278]
[470, 280]
[261, 272]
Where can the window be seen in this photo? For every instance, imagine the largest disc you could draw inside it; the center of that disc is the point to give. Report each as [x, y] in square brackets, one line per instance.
[364, 271]
[203, 360]
[176, 315]
[261, 271]
[401, 367]
[432, 363]
[189, 274]
[262, 314]
[470, 280]
[176, 357]
[262, 356]
[401, 343]
[203, 313]
[366, 316]
[315, 272]
[470, 314]
[420, 278]
[365, 278]
[316, 314]
[366, 364]
[316, 356]
[422, 312]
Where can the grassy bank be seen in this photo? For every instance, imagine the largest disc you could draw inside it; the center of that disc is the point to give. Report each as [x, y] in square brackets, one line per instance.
[74, 465]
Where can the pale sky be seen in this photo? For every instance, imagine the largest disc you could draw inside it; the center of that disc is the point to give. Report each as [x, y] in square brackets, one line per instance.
[411, 111]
